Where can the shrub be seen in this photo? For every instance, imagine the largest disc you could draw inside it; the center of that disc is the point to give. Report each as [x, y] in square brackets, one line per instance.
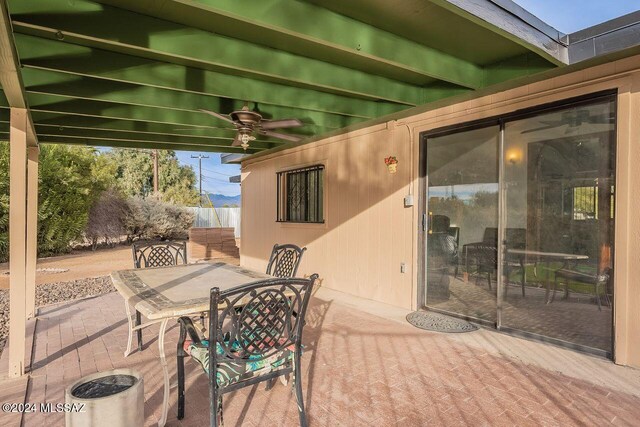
[154, 219]
[67, 188]
[106, 218]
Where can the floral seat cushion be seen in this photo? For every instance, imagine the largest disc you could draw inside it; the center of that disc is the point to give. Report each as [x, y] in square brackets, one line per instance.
[234, 370]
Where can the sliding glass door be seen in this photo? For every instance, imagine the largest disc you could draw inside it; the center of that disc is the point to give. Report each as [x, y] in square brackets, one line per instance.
[462, 204]
[519, 219]
[559, 192]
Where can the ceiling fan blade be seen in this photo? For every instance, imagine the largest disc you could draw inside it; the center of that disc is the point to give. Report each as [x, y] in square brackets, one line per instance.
[279, 124]
[286, 137]
[236, 141]
[218, 115]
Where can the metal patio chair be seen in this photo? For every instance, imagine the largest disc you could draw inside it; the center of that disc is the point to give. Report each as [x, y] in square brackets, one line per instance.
[262, 340]
[153, 254]
[599, 281]
[487, 261]
[285, 260]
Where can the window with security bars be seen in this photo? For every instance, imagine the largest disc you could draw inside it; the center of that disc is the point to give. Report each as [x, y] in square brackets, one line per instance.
[300, 195]
[585, 202]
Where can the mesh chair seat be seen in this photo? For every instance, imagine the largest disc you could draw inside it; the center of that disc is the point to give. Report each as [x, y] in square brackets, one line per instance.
[233, 370]
[261, 340]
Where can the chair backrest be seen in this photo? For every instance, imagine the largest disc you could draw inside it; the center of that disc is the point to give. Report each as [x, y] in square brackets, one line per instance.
[490, 235]
[455, 233]
[440, 224]
[487, 255]
[516, 238]
[159, 254]
[260, 319]
[284, 260]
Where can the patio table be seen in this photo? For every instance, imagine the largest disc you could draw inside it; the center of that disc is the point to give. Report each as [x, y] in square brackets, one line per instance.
[166, 293]
[547, 258]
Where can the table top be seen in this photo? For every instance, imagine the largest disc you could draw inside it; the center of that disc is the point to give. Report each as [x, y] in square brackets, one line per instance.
[547, 255]
[183, 290]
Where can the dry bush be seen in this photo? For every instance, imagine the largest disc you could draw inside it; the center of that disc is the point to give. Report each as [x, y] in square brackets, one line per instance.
[107, 218]
[151, 218]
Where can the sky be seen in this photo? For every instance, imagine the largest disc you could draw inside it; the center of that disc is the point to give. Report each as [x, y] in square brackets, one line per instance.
[215, 176]
[569, 16]
[566, 16]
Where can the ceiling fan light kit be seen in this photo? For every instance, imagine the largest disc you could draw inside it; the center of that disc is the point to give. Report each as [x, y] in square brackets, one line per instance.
[249, 123]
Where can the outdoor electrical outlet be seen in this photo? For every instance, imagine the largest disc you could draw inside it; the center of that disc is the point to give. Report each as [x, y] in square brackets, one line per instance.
[403, 267]
[408, 200]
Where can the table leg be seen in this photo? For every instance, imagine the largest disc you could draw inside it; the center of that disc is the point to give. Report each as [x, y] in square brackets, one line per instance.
[546, 293]
[165, 372]
[127, 352]
[466, 264]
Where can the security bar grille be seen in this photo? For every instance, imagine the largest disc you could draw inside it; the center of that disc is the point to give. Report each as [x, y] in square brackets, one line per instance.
[300, 195]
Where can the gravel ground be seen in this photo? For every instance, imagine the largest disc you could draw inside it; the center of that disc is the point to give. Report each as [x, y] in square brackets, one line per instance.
[51, 293]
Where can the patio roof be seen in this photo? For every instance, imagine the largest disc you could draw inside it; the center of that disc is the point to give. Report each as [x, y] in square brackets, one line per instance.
[134, 74]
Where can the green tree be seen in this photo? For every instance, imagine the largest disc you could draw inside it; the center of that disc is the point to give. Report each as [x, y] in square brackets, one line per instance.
[70, 179]
[134, 174]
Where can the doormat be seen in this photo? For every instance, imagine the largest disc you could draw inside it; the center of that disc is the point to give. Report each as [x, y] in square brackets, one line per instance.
[439, 322]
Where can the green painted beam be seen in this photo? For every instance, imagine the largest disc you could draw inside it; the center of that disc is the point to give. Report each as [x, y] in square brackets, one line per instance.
[519, 66]
[133, 129]
[69, 85]
[439, 91]
[57, 55]
[90, 24]
[293, 27]
[90, 133]
[135, 144]
[87, 107]
[133, 126]
[71, 129]
[142, 145]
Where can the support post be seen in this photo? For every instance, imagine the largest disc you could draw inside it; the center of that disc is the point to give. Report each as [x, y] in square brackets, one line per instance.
[17, 239]
[33, 154]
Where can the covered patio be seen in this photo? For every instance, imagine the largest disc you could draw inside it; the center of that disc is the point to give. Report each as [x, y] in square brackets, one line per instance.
[114, 73]
[136, 74]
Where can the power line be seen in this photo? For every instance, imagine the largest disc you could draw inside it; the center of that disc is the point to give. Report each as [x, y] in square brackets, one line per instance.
[209, 178]
[219, 173]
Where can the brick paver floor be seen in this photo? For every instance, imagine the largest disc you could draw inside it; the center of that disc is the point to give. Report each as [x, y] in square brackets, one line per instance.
[359, 369]
[577, 319]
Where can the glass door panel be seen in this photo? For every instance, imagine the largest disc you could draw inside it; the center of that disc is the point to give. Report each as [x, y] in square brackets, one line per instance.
[558, 224]
[462, 219]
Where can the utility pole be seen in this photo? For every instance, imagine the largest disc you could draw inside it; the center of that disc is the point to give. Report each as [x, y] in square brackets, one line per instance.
[200, 157]
[154, 154]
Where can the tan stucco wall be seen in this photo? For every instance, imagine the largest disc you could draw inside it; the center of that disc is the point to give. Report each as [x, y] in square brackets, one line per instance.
[368, 232]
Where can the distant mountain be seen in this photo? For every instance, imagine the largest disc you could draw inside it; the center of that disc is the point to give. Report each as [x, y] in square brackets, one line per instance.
[219, 200]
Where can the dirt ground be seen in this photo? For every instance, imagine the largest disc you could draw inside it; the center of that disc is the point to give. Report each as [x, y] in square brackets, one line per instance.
[81, 265]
